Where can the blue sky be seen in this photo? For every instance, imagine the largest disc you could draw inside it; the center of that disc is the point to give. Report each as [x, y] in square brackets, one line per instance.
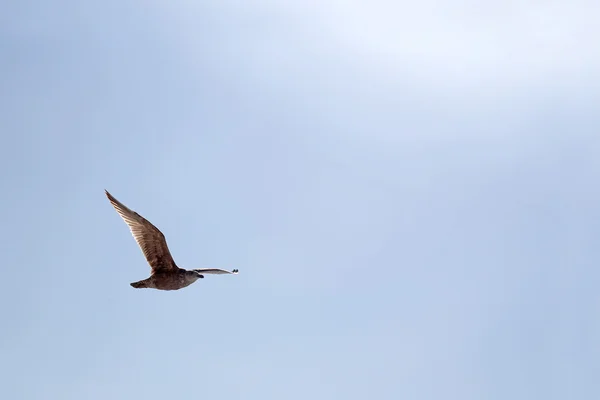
[408, 190]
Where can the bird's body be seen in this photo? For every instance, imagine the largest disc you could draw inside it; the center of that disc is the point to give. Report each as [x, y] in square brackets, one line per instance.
[166, 275]
[167, 280]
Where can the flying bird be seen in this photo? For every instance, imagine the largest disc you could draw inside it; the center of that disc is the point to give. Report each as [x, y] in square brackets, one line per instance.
[165, 275]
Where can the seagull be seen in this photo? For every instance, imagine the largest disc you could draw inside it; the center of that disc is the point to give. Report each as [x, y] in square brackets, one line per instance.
[165, 275]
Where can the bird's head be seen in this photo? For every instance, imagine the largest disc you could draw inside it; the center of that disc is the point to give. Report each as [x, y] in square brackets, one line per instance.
[193, 275]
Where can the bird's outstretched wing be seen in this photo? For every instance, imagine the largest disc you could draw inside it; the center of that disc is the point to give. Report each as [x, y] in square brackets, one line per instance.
[215, 271]
[150, 239]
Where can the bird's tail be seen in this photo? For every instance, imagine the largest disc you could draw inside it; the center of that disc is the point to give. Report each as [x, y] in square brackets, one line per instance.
[140, 284]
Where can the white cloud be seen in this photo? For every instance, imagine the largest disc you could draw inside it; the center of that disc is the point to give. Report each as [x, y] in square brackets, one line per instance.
[440, 43]
[467, 42]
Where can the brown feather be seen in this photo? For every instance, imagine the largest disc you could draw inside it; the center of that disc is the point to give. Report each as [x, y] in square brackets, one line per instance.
[150, 239]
